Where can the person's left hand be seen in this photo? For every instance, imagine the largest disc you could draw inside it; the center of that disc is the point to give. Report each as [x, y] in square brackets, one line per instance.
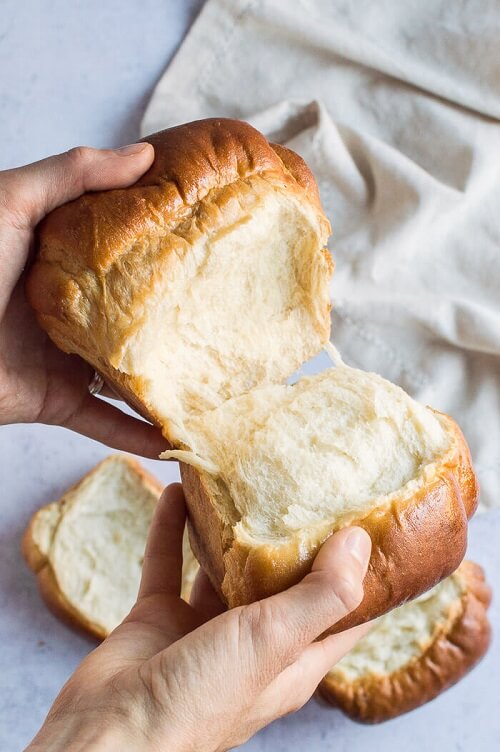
[38, 382]
[192, 678]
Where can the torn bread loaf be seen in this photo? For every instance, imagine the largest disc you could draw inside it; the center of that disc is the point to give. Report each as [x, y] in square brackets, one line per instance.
[87, 548]
[196, 293]
[416, 652]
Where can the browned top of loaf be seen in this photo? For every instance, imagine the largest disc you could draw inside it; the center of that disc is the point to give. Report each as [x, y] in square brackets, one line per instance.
[190, 161]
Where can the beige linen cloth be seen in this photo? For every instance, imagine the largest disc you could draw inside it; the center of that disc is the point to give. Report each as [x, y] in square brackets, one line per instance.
[395, 105]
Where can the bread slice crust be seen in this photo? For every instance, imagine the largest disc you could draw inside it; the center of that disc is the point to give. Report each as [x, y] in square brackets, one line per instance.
[455, 649]
[402, 564]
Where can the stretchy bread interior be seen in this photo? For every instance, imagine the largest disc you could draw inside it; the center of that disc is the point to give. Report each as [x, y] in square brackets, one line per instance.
[416, 651]
[197, 293]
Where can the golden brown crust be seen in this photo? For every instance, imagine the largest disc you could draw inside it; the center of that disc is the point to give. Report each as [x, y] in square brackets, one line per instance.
[32, 555]
[62, 608]
[100, 255]
[454, 651]
[299, 171]
[191, 160]
[40, 565]
[402, 563]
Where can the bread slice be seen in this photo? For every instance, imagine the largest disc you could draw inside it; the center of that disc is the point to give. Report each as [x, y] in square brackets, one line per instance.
[197, 293]
[87, 547]
[416, 652]
[205, 279]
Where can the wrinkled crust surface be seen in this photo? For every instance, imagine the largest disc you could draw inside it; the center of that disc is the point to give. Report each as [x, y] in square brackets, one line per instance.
[458, 643]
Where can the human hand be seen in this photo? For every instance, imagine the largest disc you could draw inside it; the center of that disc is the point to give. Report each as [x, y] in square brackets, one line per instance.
[38, 382]
[178, 677]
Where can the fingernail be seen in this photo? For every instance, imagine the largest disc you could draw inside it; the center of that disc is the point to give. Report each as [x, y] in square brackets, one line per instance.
[127, 151]
[358, 544]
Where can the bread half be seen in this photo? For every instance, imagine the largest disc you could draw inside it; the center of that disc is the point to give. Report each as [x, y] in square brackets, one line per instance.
[206, 278]
[87, 548]
[286, 466]
[416, 652]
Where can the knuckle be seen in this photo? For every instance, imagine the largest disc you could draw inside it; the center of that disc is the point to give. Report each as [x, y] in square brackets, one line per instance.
[13, 208]
[264, 627]
[285, 628]
[79, 156]
[254, 622]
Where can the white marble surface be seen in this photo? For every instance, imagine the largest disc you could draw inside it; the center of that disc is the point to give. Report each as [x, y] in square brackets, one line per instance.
[81, 72]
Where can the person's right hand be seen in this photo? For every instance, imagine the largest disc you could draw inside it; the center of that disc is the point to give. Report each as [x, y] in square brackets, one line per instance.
[182, 677]
[38, 382]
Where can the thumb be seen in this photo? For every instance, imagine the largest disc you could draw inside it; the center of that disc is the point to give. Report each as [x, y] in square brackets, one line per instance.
[30, 192]
[282, 626]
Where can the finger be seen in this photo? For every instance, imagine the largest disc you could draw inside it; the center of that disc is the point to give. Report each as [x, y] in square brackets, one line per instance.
[204, 599]
[106, 423]
[320, 657]
[298, 682]
[280, 627]
[32, 191]
[162, 568]
[67, 402]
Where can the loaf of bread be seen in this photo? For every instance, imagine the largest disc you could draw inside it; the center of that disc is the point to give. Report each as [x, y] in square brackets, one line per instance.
[197, 293]
[416, 652]
[87, 548]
